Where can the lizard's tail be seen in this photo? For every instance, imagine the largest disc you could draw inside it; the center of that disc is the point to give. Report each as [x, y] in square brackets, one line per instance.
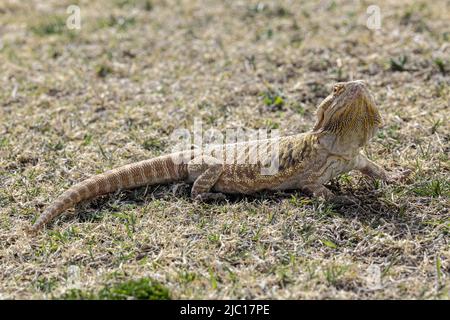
[148, 172]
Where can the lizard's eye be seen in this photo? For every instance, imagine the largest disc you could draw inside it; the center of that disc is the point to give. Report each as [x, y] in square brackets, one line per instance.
[337, 88]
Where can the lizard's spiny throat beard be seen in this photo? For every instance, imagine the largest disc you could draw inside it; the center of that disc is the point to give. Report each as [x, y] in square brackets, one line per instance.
[354, 114]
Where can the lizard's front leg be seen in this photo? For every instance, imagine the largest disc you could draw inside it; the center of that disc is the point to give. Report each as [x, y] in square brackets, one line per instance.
[207, 171]
[373, 170]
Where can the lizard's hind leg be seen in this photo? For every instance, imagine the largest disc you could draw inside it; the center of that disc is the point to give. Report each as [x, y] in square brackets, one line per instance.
[208, 171]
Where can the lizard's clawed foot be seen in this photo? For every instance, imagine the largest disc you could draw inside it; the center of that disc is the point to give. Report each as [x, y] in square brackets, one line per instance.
[344, 200]
[210, 196]
[399, 176]
[29, 230]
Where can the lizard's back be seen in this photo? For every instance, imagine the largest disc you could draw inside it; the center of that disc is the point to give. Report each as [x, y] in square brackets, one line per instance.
[268, 164]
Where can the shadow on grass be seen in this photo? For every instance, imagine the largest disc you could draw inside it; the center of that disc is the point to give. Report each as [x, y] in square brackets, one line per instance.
[373, 210]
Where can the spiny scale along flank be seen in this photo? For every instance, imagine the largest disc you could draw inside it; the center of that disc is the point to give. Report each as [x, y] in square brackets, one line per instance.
[346, 120]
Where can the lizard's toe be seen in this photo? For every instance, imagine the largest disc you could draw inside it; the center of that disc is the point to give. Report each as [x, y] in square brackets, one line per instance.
[30, 230]
[399, 176]
[210, 196]
[344, 200]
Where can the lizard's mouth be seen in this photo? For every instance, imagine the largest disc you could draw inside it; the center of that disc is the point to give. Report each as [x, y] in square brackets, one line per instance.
[352, 112]
[349, 111]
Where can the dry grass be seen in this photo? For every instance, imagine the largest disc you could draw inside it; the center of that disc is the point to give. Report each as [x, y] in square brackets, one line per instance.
[74, 103]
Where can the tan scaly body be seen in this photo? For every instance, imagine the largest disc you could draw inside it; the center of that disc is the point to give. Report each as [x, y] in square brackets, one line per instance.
[346, 120]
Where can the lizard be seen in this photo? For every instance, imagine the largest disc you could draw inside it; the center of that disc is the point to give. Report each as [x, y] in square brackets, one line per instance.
[345, 122]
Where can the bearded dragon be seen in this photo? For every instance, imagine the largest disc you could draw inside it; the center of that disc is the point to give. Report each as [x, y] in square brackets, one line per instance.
[346, 120]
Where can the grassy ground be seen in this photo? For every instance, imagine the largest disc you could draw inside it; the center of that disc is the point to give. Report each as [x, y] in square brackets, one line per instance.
[78, 102]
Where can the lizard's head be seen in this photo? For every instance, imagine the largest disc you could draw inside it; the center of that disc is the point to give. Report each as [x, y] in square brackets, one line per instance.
[349, 111]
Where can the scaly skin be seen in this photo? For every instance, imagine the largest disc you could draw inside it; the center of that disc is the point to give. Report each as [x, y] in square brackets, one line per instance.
[346, 120]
